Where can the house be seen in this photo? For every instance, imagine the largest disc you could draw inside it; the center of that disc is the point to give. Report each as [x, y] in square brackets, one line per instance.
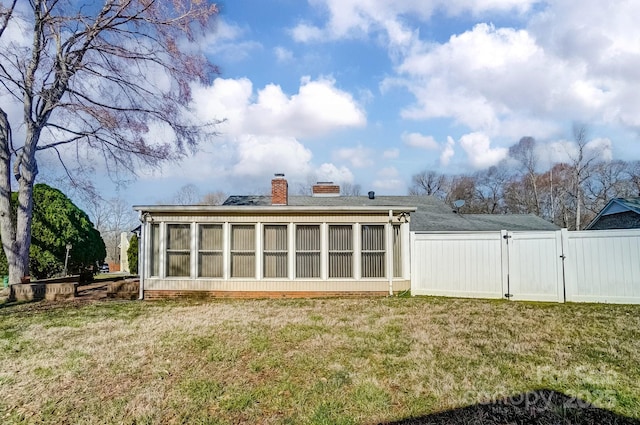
[295, 246]
[619, 213]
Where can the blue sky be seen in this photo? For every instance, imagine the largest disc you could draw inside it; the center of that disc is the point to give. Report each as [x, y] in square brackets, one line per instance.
[371, 92]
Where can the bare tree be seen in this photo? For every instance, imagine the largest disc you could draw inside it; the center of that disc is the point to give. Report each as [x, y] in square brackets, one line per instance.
[524, 152]
[111, 217]
[429, 183]
[214, 198]
[581, 162]
[92, 79]
[350, 189]
[187, 195]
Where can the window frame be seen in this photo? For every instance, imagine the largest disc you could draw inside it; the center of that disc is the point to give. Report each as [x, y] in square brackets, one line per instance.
[350, 251]
[200, 250]
[266, 251]
[233, 251]
[318, 252]
[168, 250]
[364, 251]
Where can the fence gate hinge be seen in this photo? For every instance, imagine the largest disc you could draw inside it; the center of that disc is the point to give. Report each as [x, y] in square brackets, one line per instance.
[507, 236]
[563, 256]
[508, 295]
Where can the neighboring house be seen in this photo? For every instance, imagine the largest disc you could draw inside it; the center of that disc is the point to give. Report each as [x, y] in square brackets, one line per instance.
[279, 245]
[619, 213]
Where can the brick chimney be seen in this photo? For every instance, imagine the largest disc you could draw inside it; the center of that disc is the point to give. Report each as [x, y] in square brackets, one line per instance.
[279, 190]
[326, 189]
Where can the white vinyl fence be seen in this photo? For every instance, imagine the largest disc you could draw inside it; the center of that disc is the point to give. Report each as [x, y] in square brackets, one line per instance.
[591, 266]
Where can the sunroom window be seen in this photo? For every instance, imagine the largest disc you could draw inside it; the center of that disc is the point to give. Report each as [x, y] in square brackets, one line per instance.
[243, 250]
[178, 250]
[341, 251]
[373, 251]
[275, 251]
[154, 239]
[210, 250]
[397, 251]
[308, 251]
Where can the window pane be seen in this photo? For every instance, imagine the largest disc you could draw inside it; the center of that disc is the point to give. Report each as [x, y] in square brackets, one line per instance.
[341, 251]
[373, 251]
[275, 264]
[373, 238]
[340, 238]
[308, 251]
[210, 237]
[308, 238]
[154, 238]
[275, 238]
[178, 236]
[308, 264]
[275, 251]
[243, 264]
[243, 238]
[340, 264]
[373, 264]
[178, 264]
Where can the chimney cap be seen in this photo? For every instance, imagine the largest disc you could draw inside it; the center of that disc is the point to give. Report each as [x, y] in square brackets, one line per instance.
[372, 195]
[279, 174]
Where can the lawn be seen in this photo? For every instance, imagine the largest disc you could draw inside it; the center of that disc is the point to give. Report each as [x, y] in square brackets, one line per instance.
[318, 361]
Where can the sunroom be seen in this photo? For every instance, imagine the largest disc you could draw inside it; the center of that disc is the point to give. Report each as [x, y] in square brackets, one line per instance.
[275, 250]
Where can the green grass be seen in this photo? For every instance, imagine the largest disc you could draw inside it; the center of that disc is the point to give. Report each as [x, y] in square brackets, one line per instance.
[320, 361]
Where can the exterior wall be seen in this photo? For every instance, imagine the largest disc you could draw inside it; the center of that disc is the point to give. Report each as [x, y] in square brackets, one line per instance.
[155, 286]
[124, 257]
[623, 220]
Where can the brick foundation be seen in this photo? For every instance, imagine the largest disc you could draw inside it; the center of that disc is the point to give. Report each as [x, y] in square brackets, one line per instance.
[164, 294]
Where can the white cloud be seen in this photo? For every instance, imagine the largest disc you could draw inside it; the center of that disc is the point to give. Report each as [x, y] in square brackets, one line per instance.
[417, 140]
[227, 41]
[261, 155]
[391, 153]
[388, 179]
[282, 54]
[262, 130]
[318, 108]
[479, 152]
[358, 157]
[329, 172]
[447, 152]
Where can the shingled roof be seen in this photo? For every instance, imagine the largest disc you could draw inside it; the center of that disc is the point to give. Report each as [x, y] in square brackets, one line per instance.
[432, 214]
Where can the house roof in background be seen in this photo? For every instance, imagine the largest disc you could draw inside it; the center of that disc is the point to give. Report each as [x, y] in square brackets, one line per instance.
[616, 206]
[432, 215]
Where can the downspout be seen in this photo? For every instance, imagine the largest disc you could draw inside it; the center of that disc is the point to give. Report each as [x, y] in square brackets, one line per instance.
[141, 254]
[389, 249]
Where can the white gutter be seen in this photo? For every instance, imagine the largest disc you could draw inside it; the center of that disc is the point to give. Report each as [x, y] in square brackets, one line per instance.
[389, 248]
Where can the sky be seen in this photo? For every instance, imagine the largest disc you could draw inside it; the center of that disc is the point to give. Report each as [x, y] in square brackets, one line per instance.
[370, 92]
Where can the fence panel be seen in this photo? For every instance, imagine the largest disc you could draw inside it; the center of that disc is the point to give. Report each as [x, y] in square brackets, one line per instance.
[457, 264]
[535, 266]
[603, 266]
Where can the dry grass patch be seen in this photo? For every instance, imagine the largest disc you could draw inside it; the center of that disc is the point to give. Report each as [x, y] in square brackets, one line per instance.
[307, 361]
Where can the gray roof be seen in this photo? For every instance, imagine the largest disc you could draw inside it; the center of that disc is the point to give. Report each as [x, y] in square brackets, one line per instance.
[432, 215]
[617, 205]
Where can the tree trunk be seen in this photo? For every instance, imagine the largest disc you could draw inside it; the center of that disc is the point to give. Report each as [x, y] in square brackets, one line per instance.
[7, 229]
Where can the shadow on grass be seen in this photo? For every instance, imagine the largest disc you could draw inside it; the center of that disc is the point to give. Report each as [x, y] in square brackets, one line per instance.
[541, 406]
